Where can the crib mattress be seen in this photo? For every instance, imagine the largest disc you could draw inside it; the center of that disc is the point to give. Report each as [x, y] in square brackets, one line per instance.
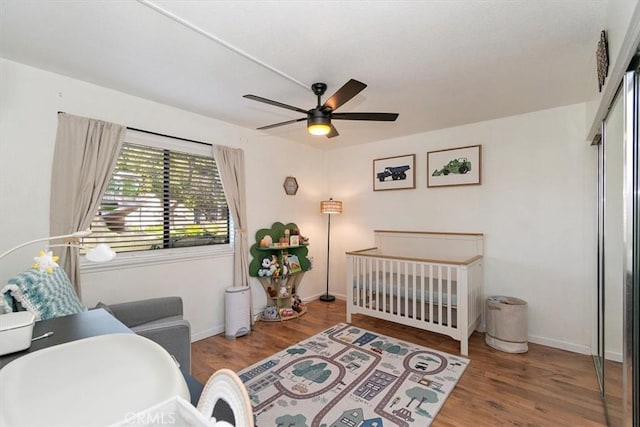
[402, 286]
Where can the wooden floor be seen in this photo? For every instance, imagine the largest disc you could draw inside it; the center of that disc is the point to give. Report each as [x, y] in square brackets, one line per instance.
[543, 387]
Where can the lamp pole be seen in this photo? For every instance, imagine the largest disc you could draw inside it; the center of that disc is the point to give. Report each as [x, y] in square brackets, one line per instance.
[329, 207]
[326, 297]
[76, 235]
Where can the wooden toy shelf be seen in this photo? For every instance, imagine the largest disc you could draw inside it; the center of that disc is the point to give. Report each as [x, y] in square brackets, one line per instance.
[280, 284]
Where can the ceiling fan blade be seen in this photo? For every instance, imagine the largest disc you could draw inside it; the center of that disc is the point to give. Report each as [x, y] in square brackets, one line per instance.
[381, 117]
[275, 103]
[333, 132]
[288, 122]
[345, 93]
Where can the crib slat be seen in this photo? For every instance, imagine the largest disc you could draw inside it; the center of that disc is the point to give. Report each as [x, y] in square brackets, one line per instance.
[439, 294]
[396, 285]
[404, 286]
[430, 301]
[422, 295]
[449, 292]
[384, 286]
[370, 283]
[361, 289]
[414, 282]
[378, 292]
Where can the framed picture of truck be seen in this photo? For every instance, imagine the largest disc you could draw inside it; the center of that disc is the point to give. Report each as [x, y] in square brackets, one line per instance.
[394, 173]
[454, 166]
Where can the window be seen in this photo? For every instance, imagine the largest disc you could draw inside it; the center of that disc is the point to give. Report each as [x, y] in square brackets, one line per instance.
[164, 193]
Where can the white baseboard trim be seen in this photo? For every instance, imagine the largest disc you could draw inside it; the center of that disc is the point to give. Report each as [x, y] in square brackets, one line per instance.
[614, 357]
[317, 296]
[562, 345]
[207, 333]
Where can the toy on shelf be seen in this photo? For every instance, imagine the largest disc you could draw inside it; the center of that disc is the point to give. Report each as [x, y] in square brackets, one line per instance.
[269, 266]
[283, 291]
[270, 313]
[297, 304]
[287, 312]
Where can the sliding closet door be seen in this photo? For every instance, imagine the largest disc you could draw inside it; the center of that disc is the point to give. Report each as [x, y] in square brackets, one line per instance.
[618, 255]
[631, 261]
[612, 259]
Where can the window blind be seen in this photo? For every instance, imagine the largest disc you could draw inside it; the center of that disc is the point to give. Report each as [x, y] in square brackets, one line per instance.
[161, 198]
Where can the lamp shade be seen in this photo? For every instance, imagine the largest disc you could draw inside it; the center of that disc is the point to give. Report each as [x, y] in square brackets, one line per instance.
[101, 253]
[331, 206]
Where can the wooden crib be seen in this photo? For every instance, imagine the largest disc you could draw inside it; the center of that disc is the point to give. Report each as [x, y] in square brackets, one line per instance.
[428, 280]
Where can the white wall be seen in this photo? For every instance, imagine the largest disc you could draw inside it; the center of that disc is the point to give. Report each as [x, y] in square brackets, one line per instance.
[536, 208]
[29, 101]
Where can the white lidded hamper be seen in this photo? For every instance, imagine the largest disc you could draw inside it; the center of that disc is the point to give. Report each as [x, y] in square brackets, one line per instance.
[237, 306]
[507, 327]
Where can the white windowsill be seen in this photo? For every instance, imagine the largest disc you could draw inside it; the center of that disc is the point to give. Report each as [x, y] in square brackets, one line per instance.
[161, 256]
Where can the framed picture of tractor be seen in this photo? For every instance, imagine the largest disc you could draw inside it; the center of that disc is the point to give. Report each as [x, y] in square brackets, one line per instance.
[454, 166]
[394, 173]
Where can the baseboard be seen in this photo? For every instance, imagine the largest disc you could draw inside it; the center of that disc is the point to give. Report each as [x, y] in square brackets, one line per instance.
[614, 357]
[207, 333]
[317, 296]
[562, 345]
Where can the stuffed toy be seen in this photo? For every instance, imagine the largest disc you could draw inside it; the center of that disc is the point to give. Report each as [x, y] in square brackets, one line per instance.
[46, 261]
[283, 290]
[270, 313]
[297, 304]
[286, 312]
[266, 241]
[269, 267]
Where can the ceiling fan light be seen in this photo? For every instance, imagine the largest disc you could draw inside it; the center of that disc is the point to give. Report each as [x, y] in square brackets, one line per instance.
[318, 124]
[319, 129]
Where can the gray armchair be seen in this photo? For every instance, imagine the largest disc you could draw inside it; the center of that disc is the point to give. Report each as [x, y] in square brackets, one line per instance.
[160, 320]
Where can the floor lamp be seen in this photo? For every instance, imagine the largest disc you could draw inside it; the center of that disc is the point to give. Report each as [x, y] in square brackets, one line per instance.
[329, 207]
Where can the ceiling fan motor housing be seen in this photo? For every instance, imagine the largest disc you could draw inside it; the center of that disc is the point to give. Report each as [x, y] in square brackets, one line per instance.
[318, 117]
[318, 122]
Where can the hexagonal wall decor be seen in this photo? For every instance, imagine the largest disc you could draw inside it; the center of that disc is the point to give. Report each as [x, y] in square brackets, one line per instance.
[290, 185]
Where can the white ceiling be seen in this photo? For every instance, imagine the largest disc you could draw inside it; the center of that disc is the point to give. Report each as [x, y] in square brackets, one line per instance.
[436, 63]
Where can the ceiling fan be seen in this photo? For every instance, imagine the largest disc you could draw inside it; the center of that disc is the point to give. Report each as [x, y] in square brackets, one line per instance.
[319, 118]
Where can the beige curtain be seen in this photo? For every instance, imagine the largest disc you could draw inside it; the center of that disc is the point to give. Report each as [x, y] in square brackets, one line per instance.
[230, 162]
[85, 155]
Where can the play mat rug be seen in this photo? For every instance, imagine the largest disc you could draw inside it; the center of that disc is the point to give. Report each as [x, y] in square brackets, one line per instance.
[348, 376]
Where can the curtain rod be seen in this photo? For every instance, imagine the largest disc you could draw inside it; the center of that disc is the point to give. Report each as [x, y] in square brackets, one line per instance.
[161, 134]
[169, 136]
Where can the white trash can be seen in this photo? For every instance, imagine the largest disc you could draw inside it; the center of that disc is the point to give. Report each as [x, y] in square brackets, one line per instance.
[507, 326]
[237, 307]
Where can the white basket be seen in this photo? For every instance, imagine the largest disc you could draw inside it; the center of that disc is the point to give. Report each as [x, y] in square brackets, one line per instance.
[507, 326]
